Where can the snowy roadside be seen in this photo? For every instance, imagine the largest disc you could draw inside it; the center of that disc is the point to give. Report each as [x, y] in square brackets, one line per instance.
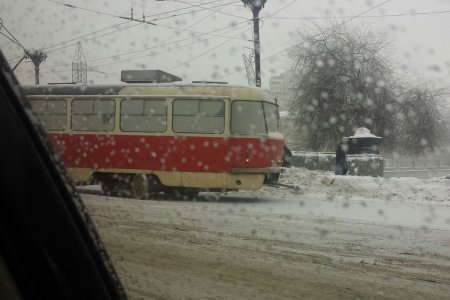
[401, 188]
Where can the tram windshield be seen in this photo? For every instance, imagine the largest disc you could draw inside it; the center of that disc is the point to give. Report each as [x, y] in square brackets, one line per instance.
[254, 117]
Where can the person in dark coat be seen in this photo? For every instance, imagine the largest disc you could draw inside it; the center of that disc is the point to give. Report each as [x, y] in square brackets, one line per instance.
[287, 155]
[341, 159]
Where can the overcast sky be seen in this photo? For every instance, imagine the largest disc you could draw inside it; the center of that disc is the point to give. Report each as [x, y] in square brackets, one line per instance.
[420, 42]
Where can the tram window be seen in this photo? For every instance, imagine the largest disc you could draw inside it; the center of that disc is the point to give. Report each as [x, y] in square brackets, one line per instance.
[93, 115]
[143, 115]
[198, 116]
[52, 113]
[271, 116]
[247, 117]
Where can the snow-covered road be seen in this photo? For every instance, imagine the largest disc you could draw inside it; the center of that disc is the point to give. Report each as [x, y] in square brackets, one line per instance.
[337, 237]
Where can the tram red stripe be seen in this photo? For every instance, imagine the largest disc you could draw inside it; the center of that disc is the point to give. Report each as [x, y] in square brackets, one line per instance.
[166, 153]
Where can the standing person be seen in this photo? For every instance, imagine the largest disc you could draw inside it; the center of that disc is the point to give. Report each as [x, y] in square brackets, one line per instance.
[287, 155]
[341, 159]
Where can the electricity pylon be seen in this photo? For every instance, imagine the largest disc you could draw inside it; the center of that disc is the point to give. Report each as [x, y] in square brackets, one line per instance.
[79, 66]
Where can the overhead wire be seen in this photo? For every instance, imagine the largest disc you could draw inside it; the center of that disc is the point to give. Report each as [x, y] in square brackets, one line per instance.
[165, 40]
[199, 34]
[141, 19]
[142, 50]
[151, 54]
[190, 26]
[120, 29]
[12, 38]
[206, 52]
[222, 43]
[283, 8]
[219, 12]
[340, 24]
[162, 45]
[113, 26]
[364, 12]
[130, 20]
[370, 16]
[146, 49]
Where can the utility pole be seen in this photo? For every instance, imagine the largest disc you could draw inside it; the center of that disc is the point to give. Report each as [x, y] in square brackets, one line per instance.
[36, 57]
[79, 66]
[256, 6]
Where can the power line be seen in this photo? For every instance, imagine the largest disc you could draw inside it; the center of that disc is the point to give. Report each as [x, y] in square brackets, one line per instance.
[141, 19]
[113, 26]
[364, 12]
[119, 29]
[371, 16]
[207, 51]
[144, 49]
[153, 47]
[87, 34]
[95, 37]
[12, 38]
[283, 8]
[162, 45]
[174, 42]
[192, 43]
[223, 43]
[219, 12]
[184, 8]
[286, 49]
[141, 50]
[86, 9]
[134, 58]
[200, 32]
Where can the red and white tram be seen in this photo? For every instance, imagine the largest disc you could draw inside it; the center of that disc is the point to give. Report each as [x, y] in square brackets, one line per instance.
[167, 137]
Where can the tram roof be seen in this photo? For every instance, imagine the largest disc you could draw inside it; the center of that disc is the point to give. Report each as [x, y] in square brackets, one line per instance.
[148, 89]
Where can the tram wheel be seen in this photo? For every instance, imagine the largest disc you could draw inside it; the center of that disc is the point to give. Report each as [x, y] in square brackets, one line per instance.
[139, 186]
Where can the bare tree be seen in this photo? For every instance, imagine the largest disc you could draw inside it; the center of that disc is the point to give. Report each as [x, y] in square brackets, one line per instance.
[343, 81]
[423, 125]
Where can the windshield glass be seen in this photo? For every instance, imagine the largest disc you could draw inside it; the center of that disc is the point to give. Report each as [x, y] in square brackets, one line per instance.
[201, 186]
[271, 116]
[247, 117]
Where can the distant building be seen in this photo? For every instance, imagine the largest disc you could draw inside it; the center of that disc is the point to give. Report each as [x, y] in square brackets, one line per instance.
[283, 89]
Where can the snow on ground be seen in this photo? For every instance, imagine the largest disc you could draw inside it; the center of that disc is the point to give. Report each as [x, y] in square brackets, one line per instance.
[391, 189]
[336, 237]
[402, 201]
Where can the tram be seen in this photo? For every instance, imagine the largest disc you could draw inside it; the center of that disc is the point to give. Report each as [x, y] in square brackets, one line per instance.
[175, 138]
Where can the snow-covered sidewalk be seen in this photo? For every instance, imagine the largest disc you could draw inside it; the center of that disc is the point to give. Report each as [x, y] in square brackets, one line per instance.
[401, 188]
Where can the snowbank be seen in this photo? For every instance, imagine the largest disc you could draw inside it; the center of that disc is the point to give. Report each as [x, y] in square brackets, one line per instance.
[326, 184]
[358, 164]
